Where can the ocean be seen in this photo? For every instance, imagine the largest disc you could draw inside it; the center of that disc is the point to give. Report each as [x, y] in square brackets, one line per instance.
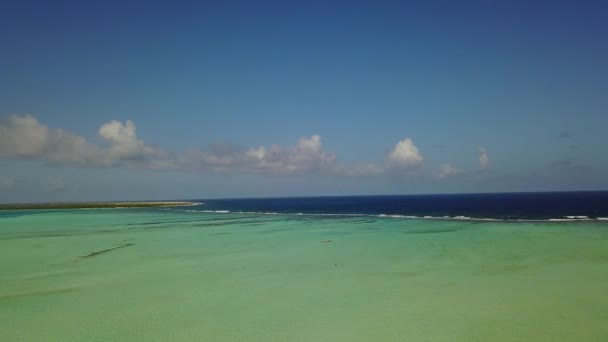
[497, 206]
[492, 267]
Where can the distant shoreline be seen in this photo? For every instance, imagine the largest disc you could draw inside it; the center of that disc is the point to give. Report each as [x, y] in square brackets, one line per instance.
[95, 205]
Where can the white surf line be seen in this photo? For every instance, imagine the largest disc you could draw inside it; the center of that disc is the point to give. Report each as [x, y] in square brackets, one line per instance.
[410, 217]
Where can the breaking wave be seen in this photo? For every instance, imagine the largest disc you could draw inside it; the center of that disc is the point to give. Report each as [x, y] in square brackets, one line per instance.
[568, 218]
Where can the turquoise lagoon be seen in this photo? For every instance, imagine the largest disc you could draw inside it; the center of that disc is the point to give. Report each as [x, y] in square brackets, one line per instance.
[192, 276]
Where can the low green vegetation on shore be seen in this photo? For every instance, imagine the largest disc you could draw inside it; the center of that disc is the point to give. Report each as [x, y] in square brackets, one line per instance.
[92, 205]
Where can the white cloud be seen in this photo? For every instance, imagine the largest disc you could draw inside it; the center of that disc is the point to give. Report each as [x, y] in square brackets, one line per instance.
[125, 146]
[119, 145]
[307, 156]
[484, 159]
[404, 154]
[214, 159]
[447, 170]
[122, 139]
[118, 133]
[25, 137]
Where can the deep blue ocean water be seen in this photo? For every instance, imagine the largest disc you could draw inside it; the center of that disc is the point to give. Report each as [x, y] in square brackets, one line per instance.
[502, 206]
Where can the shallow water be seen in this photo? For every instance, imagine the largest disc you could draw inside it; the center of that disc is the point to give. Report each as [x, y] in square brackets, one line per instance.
[183, 276]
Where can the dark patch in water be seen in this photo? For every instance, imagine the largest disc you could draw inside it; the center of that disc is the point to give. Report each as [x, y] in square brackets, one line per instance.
[492, 270]
[36, 293]
[92, 254]
[203, 221]
[408, 274]
[225, 233]
[50, 275]
[34, 235]
[336, 233]
[160, 222]
[363, 221]
[31, 235]
[217, 224]
[433, 231]
[11, 215]
[270, 231]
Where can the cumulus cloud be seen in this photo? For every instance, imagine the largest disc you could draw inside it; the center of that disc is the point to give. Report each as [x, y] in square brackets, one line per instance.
[118, 145]
[125, 145]
[404, 155]
[122, 139]
[118, 133]
[66, 147]
[484, 159]
[447, 170]
[25, 137]
[307, 156]
[22, 136]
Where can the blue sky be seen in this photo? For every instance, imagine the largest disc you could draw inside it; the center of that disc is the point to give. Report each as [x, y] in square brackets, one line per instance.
[132, 100]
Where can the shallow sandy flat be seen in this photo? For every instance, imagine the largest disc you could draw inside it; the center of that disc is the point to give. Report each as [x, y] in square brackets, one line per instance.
[175, 274]
[93, 205]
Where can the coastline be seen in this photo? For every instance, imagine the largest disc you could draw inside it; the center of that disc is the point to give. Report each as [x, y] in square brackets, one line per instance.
[95, 205]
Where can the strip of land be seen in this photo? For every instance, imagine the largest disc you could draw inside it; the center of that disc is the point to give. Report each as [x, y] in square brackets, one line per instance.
[93, 205]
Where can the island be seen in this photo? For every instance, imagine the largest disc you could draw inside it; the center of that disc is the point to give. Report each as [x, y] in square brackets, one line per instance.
[94, 205]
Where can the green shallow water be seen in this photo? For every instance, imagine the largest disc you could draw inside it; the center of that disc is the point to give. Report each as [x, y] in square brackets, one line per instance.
[233, 277]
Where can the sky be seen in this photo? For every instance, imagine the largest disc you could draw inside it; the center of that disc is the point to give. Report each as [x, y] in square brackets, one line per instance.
[131, 100]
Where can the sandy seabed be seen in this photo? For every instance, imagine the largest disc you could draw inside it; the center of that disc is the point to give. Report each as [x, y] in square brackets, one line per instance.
[166, 275]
